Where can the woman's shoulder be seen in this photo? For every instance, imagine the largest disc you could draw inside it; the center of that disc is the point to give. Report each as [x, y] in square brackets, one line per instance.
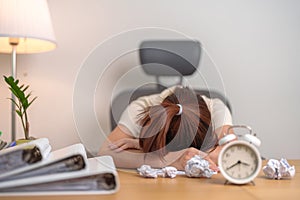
[211, 100]
[207, 100]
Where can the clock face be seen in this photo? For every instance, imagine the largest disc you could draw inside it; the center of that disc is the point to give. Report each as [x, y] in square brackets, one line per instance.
[239, 162]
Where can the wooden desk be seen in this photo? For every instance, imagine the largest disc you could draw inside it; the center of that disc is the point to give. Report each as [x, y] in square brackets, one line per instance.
[135, 187]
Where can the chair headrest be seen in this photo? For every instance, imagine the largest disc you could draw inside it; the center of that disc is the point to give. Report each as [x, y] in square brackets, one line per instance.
[170, 57]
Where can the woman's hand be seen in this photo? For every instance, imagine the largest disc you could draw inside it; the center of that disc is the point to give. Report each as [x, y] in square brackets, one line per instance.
[186, 154]
[123, 144]
[213, 155]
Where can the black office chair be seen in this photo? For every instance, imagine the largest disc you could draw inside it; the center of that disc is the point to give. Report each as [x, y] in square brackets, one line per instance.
[171, 58]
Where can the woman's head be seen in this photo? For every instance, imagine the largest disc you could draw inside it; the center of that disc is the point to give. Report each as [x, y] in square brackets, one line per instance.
[166, 129]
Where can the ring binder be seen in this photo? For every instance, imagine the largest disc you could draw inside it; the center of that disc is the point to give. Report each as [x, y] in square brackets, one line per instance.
[64, 171]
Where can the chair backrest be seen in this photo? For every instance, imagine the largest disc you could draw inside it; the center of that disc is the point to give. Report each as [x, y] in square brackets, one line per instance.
[170, 57]
[158, 58]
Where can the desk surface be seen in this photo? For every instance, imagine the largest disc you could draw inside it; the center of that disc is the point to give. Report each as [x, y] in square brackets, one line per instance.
[135, 187]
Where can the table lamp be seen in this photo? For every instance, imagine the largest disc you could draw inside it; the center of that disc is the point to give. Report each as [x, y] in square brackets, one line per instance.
[25, 27]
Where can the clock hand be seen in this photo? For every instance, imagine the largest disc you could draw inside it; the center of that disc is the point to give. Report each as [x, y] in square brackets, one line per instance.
[243, 163]
[237, 163]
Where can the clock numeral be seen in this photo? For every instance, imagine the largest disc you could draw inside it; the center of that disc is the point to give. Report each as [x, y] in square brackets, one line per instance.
[227, 155]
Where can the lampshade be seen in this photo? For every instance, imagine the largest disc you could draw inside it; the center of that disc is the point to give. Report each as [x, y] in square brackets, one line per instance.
[29, 23]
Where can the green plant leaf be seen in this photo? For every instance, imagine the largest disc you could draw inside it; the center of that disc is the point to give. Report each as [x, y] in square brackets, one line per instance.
[28, 95]
[14, 87]
[14, 92]
[25, 88]
[15, 103]
[32, 101]
[25, 104]
[22, 101]
[19, 113]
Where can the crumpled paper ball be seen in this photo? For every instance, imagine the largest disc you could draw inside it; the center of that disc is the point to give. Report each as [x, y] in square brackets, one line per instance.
[195, 167]
[148, 172]
[277, 169]
[198, 167]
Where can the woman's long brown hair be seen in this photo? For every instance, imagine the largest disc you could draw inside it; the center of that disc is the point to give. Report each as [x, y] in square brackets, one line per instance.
[164, 131]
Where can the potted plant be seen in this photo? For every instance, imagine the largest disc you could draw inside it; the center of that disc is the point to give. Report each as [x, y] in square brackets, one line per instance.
[22, 102]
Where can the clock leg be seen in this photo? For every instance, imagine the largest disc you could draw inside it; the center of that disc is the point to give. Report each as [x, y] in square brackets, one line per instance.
[253, 183]
[228, 182]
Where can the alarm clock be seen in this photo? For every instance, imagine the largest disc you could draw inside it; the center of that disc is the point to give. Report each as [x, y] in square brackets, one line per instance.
[239, 160]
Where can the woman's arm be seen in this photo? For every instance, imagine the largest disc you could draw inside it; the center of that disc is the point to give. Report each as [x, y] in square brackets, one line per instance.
[220, 132]
[127, 157]
[134, 158]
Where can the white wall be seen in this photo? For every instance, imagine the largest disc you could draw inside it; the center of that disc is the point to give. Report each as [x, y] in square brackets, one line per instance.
[252, 54]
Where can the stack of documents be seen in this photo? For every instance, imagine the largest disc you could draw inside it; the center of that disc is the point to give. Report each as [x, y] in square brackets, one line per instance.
[3, 144]
[32, 168]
